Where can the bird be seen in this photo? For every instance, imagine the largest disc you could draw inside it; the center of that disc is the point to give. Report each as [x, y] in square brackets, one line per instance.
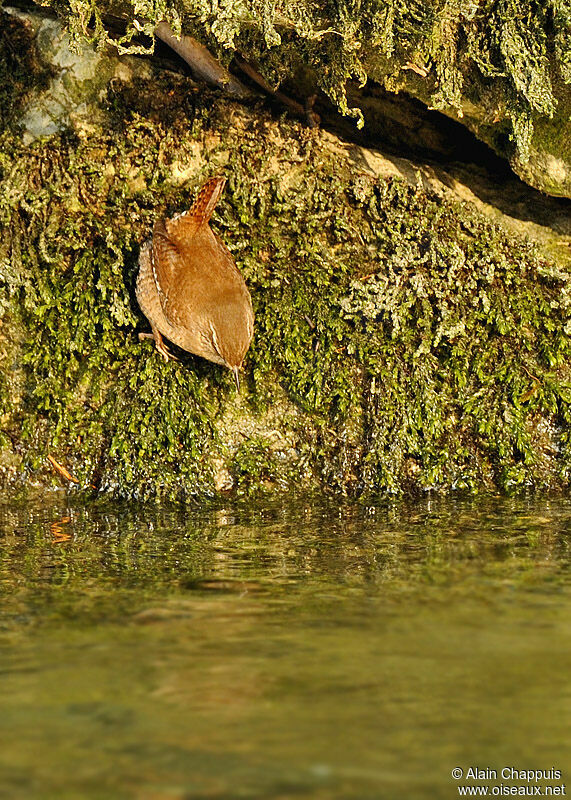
[190, 289]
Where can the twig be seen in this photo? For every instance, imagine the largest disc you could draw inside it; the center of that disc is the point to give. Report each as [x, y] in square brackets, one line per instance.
[305, 112]
[62, 470]
[202, 62]
[205, 67]
[422, 71]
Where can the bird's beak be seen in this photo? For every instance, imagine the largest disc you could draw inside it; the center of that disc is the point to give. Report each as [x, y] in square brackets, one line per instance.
[236, 377]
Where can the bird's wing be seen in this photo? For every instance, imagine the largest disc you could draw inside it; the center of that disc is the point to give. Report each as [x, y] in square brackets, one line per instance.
[167, 265]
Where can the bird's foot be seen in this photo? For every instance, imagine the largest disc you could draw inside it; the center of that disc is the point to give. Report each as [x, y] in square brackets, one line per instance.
[164, 351]
[159, 344]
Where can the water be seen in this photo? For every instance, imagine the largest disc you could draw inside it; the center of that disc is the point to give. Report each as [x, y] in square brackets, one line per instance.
[293, 650]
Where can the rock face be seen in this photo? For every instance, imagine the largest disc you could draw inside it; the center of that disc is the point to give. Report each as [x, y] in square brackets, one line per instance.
[408, 337]
[549, 165]
[78, 78]
[503, 68]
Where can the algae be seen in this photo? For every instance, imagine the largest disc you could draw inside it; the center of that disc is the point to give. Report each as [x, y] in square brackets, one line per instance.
[402, 341]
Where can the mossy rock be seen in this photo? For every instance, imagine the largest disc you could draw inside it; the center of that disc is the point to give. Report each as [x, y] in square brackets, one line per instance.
[502, 67]
[403, 342]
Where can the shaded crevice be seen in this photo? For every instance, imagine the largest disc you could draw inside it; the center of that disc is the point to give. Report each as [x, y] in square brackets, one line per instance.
[402, 127]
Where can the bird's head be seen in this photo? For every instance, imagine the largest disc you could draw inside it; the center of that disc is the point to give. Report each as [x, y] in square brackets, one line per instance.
[230, 333]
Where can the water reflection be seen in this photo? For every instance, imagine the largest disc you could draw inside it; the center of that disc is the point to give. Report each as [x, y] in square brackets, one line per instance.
[305, 649]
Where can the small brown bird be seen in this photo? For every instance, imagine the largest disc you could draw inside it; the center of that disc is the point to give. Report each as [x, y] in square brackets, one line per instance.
[190, 289]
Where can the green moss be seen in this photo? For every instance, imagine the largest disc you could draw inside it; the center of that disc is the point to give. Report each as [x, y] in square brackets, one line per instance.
[256, 466]
[419, 345]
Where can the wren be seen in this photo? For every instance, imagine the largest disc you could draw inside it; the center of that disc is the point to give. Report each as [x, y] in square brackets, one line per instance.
[190, 289]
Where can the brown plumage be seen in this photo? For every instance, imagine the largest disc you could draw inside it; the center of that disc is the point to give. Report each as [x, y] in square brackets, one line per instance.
[190, 289]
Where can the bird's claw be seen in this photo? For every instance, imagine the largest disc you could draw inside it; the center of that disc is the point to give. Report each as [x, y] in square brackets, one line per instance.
[159, 344]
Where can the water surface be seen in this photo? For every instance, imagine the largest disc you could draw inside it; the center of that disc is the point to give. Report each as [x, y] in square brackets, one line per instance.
[299, 649]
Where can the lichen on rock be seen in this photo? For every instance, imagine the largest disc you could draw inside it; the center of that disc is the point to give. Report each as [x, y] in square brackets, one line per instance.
[77, 76]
